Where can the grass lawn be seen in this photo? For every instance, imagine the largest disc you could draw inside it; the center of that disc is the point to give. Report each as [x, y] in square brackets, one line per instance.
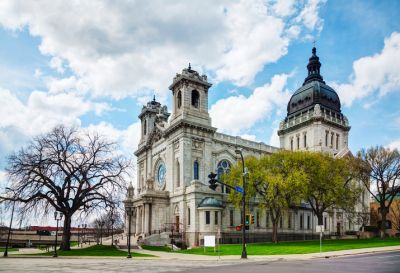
[2, 249]
[96, 250]
[298, 247]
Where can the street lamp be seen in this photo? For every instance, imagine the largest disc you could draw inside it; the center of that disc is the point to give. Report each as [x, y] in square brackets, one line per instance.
[79, 227]
[84, 226]
[244, 252]
[9, 232]
[129, 212]
[57, 216]
[101, 232]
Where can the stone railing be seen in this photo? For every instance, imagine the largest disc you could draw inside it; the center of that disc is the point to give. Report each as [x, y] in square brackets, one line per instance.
[238, 141]
[309, 115]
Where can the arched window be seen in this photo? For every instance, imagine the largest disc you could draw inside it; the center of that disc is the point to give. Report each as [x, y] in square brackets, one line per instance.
[145, 127]
[195, 98]
[179, 99]
[223, 167]
[196, 170]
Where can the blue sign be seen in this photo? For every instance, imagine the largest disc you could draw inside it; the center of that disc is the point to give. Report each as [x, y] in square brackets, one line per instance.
[239, 189]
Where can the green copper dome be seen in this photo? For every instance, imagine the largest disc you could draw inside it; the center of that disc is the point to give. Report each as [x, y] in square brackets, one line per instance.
[314, 91]
[207, 202]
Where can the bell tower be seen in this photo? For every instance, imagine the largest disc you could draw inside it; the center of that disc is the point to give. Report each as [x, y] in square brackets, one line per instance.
[314, 119]
[190, 97]
[151, 113]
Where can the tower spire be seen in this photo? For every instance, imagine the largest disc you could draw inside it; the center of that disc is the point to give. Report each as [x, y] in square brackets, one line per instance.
[313, 68]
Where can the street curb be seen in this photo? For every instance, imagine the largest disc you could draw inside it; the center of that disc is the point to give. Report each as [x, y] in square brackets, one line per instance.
[193, 257]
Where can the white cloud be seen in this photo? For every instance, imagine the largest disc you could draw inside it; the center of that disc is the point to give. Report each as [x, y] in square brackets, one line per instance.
[284, 7]
[130, 47]
[39, 114]
[395, 144]
[127, 138]
[378, 73]
[274, 139]
[256, 38]
[309, 15]
[57, 64]
[237, 113]
[249, 137]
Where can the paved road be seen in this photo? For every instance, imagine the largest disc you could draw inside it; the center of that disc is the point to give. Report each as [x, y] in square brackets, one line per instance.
[388, 262]
[367, 263]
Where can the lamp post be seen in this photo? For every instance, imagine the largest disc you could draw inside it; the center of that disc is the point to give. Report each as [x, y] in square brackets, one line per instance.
[9, 232]
[129, 212]
[57, 216]
[79, 227]
[101, 232]
[84, 226]
[244, 252]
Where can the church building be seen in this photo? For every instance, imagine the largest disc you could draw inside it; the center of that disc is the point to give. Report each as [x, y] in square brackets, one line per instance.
[178, 150]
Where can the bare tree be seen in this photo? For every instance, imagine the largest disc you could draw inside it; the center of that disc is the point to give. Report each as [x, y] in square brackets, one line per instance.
[67, 171]
[109, 222]
[380, 172]
[395, 214]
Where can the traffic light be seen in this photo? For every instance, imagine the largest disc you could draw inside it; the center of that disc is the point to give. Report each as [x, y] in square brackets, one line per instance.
[247, 219]
[213, 182]
[252, 219]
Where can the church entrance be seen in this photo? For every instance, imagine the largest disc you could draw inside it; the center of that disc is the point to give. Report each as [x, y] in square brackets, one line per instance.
[177, 223]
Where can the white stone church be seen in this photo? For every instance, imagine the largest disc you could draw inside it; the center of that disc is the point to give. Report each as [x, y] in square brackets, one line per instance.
[178, 150]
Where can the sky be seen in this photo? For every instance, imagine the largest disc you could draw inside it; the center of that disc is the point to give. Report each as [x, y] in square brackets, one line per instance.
[93, 64]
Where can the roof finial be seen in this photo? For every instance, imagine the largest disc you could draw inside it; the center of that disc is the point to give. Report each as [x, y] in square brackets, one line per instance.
[154, 97]
[314, 50]
[190, 68]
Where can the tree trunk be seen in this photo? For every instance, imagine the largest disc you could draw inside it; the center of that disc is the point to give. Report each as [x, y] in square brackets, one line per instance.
[65, 244]
[275, 231]
[384, 212]
[320, 218]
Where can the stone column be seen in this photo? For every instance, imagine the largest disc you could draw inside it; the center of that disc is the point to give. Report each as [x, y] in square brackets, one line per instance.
[133, 223]
[138, 220]
[146, 219]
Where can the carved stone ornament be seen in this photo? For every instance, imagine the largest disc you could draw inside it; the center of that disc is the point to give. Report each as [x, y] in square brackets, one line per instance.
[197, 144]
[317, 110]
[150, 184]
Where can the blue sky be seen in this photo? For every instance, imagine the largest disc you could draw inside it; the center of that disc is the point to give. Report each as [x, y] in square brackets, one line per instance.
[95, 64]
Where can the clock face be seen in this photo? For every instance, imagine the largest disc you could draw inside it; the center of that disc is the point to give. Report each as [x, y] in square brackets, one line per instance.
[161, 175]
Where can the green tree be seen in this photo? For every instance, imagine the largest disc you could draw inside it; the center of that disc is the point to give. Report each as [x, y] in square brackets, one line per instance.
[330, 182]
[277, 180]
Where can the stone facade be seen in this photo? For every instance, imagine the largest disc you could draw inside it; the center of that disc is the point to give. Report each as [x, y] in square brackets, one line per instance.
[174, 159]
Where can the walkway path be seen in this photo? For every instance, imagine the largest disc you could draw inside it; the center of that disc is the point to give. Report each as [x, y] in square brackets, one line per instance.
[180, 256]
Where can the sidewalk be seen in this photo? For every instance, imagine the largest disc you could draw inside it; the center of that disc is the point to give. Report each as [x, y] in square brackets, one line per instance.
[194, 257]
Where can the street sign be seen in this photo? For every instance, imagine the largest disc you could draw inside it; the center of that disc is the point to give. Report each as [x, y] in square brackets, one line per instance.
[239, 189]
[209, 241]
